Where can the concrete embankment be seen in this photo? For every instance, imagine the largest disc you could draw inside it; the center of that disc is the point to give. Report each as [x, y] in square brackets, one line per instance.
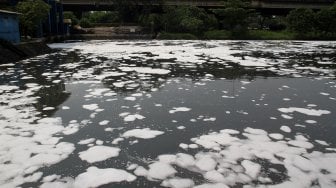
[110, 37]
[15, 52]
[110, 33]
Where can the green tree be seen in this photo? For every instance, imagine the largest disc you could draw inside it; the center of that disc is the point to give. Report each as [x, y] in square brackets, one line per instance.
[187, 19]
[151, 21]
[103, 17]
[234, 16]
[128, 10]
[301, 21]
[84, 22]
[326, 20]
[72, 16]
[33, 12]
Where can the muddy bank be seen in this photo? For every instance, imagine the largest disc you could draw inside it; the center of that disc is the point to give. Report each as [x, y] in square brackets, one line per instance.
[15, 52]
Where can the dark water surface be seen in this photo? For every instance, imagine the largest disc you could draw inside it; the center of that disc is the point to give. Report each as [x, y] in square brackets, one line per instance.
[171, 114]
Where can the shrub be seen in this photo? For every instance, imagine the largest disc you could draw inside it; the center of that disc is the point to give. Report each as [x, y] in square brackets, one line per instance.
[187, 19]
[176, 36]
[270, 35]
[32, 13]
[84, 22]
[326, 20]
[217, 34]
[301, 21]
[71, 15]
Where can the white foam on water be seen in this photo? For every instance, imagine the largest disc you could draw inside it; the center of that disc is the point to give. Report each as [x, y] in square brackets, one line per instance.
[233, 160]
[48, 108]
[205, 163]
[141, 171]
[104, 122]
[286, 116]
[214, 176]
[91, 107]
[38, 149]
[325, 94]
[133, 117]
[210, 119]
[309, 112]
[130, 98]
[95, 177]
[99, 153]
[251, 169]
[179, 109]
[209, 185]
[98, 91]
[276, 136]
[109, 74]
[178, 183]
[221, 52]
[310, 121]
[145, 70]
[65, 107]
[236, 156]
[286, 129]
[86, 141]
[184, 146]
[159, 170]
[145, 133]
[324, 143]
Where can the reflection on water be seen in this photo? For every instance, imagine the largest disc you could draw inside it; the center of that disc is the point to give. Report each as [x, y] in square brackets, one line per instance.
[172, 114]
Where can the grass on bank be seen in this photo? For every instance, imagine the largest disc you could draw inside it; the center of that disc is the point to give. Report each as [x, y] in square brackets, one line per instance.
[249, 35]
[227, 35]
[176, 36]
[270, 35]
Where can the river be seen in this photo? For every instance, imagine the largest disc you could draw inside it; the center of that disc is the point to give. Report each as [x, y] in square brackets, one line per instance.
[170, 114]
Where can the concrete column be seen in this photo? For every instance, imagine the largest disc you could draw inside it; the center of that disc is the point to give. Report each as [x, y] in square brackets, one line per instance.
[53, 17]
[48, 21]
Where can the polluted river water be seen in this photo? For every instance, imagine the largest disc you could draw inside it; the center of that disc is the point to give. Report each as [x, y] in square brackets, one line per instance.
[174, 114]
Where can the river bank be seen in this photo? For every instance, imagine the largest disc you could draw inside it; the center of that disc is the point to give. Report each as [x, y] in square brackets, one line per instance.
[247, 35]
[14, 52]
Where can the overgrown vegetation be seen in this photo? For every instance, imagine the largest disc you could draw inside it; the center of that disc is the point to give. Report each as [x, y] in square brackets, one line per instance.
[306, 24]
[176, 36]
[32, 13]
[236, 20]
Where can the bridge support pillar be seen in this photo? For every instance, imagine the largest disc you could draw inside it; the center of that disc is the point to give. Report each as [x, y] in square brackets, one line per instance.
[53, 17]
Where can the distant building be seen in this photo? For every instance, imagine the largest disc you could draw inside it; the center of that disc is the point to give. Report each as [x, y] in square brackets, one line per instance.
[9, 26]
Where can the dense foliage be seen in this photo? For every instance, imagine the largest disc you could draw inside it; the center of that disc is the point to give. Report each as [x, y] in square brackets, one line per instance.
[234, 16]
[32, 13]
[301, 20]
[305, 22]
[72, 17]
[236, 20]
[326, 20]
[187, 19]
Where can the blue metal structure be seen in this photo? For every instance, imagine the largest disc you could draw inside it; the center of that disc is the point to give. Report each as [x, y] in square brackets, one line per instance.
[54, 24]
[9, 26]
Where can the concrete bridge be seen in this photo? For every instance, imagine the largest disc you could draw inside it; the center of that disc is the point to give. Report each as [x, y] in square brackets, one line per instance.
[78, 5]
